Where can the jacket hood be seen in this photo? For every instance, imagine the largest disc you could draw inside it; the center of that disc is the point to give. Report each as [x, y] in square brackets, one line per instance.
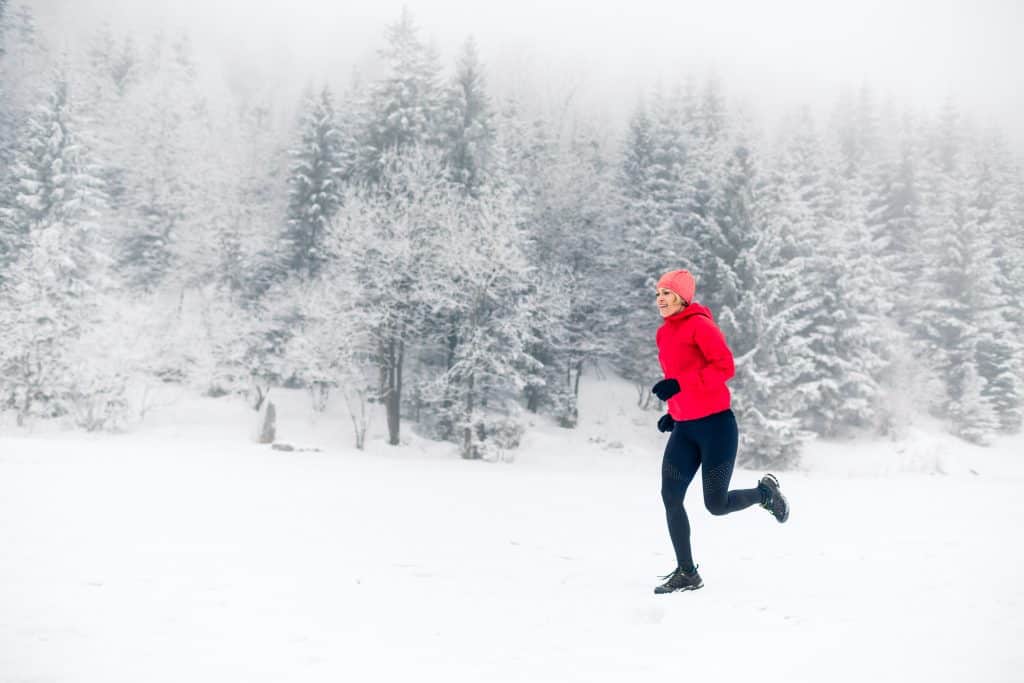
[693, 309]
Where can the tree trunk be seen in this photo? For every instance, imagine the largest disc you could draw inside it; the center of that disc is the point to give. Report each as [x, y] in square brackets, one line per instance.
[468, 452]
[532, 399]
[393, 391]
[319, 392]
[579, 374]
[389, 394]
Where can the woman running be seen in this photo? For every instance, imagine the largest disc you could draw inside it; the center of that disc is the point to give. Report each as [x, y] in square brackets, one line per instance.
[697, 363]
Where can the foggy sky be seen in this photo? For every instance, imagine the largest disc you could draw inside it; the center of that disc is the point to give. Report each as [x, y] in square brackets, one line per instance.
[779, 53]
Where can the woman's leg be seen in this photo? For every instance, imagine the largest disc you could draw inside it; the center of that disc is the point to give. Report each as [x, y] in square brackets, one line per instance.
[678, 467]
[718, 438]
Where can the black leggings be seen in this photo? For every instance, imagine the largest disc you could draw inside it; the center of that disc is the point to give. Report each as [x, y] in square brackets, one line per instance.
[710, 441]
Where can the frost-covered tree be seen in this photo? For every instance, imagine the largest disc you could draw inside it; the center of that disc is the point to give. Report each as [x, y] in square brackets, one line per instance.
[120, 65]
[774, 378]
[50, 294]
[468, 130]
[315, 181]
[171, 177]
[708, 233]
[489, 274]
[569, 233]
[961, 297]
[404, 107]
[1000, 350]
[22, 69]
[850, 331]
[894, 208]
[330, 352]
[639, 259]
[730, 270]
[249, 259]
[392, 235]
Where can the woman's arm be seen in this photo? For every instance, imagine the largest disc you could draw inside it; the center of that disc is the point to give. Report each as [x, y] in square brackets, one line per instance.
[711, 342]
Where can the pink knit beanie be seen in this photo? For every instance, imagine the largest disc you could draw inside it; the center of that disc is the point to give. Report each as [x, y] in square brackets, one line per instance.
[680, 282]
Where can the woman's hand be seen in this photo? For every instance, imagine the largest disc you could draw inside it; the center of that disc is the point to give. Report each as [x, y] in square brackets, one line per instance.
[665, 423]
[666, 389]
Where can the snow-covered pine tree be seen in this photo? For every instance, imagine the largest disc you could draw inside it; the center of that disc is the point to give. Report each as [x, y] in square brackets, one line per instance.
[999, 350]
[856, 127]
[315, 181]
[894, 207]
[119, 65]
[959, 285]
[774, 381]
[731, 233]
[165, 149]
[248, 243]
[569, 225]
[468, 129]
[22, 68]
[635, 357]
[696, 230]
[712, 121]
[1008, 238]
[526, 155]
[468, 138]
[523, 149]
[850, 331]
[666, 179]
[404, 107]
[50, 293]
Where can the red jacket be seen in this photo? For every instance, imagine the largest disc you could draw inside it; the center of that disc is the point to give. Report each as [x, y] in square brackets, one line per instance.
[692, 350]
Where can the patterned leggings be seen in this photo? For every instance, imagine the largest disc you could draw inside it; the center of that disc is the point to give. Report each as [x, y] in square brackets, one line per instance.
[710, 441]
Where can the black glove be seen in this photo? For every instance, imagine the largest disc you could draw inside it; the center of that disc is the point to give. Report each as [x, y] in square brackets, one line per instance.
[665, 423]
[666, 389]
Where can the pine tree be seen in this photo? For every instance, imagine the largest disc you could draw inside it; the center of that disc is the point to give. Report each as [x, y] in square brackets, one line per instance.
[249, 258]
[697, 237]
[774, 382]
[730, 235]
[635, 356]
[469, 133]
[51, 290]
[569, 226]
[1007, 375]
[22, 64]
[405, 105]
[999, 350]
[527, 156]
[961, 296]
[119, 65]
[167, 149]
[316, 186]
[894, 209]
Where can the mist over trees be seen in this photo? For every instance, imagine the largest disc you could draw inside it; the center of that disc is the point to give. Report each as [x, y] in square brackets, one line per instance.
[414, 242]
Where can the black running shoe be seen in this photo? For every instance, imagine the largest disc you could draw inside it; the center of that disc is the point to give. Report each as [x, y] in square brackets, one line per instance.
[772, 498]
[679, 580]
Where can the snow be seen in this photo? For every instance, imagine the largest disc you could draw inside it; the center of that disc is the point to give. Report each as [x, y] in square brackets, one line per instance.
[184, 551]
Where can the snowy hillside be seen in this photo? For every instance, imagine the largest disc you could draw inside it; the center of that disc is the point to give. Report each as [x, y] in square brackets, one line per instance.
[185, 552]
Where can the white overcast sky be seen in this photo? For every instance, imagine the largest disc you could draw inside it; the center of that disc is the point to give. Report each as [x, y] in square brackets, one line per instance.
[768, 51]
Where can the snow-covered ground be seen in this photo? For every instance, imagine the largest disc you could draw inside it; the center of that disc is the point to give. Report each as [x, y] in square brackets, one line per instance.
[184, 552]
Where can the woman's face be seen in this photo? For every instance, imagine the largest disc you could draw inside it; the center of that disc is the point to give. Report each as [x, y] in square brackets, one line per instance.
[669, 302]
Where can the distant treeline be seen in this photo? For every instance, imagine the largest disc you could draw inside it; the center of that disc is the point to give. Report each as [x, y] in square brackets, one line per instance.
[413, 242]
